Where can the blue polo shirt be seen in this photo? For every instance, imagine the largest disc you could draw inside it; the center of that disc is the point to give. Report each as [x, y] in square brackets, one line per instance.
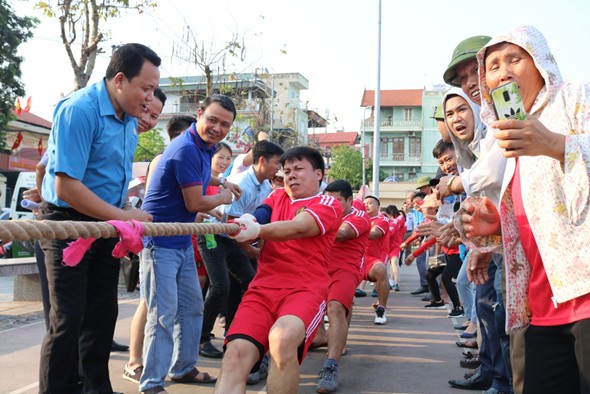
[185, 162]
[88, 142]
[253, 193]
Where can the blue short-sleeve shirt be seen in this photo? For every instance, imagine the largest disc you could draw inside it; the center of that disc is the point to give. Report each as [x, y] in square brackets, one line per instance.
[253, 193]
[185, 162]
[88, 142]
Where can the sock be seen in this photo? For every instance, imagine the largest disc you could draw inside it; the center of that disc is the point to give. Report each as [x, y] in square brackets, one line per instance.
[329, 362]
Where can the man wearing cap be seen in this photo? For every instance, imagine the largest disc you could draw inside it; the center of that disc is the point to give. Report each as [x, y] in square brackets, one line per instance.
[423, 185]
[495, 373]
[440, 123]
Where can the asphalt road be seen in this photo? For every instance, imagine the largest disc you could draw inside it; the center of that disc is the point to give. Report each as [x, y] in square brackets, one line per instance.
[414, 353]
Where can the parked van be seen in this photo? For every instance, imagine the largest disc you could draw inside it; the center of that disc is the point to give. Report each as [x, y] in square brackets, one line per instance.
[25, 181]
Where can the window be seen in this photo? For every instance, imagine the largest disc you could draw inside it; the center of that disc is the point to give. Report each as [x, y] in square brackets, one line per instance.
[415, 150]
[384, 147]
[408, 114]
[398, 149]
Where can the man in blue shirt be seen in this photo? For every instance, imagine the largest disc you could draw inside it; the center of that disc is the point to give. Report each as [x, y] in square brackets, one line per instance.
[172, 292]
[91, 151]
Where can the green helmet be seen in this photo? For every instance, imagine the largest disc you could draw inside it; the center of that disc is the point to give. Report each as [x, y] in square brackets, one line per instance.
[466, 50]
[438, 112]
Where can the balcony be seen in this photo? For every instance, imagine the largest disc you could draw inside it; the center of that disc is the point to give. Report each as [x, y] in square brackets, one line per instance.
[399, 124]
[411, 159]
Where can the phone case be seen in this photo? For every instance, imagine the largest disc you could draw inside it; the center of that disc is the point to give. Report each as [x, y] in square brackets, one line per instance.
[508, 102]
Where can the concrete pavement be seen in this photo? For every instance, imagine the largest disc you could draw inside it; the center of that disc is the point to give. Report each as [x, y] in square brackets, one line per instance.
[413, 353]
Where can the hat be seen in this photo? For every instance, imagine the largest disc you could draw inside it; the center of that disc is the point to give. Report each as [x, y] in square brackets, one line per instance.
[466, 50]
[423, 181]
[280, 173]
[439, 174]
[430, 201]
[438, 112]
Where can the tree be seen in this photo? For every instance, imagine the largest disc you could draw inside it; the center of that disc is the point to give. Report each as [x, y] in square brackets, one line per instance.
[82, 19]
[149, 145]
[14, 31]
[347, 164]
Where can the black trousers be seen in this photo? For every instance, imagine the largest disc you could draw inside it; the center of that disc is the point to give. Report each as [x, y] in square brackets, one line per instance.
[449, 273]
[82, 316]
[557, 359]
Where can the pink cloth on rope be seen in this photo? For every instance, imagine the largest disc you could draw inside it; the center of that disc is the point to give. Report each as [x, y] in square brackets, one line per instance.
[130, 234]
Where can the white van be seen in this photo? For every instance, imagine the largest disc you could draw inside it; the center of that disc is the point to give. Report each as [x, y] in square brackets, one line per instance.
[25, 181]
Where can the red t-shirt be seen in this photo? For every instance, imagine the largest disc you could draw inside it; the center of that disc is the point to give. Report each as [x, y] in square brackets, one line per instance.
[543, 311]
[348, 255]
[299, 263]
[379, 247]
[397, 230]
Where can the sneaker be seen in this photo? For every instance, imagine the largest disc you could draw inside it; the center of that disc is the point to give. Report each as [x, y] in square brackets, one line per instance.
[457, 312]
[261, 374]
[396, 287]
[380, 317]
[428, 298]
[360, 293]
[374, 293]
[328, 379]
[132, 375]
[435, 305]
[391, 284]
[420, 290]
[326, 319]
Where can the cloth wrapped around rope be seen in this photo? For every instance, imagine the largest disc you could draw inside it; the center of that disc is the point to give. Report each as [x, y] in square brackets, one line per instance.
[129, 233]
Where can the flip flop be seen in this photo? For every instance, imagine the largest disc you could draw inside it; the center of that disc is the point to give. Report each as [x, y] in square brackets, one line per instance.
[192, 377]
[468, 344]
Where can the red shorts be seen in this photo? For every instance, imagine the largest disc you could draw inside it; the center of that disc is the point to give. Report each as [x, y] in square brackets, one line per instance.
[343, 284]
[261, 307]
[201, 270]
[370, 261]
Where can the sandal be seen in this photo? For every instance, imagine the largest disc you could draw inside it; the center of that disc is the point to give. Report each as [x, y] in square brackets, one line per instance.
[469, 344]
[155, 390]
[192, 377]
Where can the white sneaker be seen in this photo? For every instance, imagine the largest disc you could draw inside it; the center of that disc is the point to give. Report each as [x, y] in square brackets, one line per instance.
[380, 317]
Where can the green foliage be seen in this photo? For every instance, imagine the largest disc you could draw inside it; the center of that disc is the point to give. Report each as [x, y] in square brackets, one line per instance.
[149, 145]
[347, 163]
[14, 30]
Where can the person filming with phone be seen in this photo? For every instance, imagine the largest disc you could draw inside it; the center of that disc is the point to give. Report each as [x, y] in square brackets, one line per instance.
[545, 234]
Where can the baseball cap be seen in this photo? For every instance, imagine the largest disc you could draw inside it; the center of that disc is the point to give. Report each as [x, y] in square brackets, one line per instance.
[466, 50]
[423, 181]
[439, 174]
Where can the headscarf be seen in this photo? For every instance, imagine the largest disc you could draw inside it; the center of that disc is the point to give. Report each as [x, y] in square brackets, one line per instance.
[467, 152]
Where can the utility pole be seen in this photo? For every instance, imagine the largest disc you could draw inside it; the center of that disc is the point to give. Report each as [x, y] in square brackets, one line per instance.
[377, 117]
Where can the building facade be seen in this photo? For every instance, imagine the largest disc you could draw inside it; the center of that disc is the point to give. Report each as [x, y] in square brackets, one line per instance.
[407, 131]
[265, 102]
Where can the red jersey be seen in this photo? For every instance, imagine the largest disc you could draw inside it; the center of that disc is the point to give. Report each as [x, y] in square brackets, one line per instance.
[397, 230]
[379, 248]
[300, 262]
[349, 254]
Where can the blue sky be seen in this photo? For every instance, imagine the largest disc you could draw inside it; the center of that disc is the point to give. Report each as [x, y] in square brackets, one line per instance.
[332, 43]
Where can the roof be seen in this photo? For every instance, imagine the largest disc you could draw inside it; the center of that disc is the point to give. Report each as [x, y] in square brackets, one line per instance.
[331, 139]
[394, 98]
[27, 117]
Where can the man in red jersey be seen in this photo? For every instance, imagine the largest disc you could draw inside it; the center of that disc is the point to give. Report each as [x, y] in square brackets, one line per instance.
[376, 256]
[344, 268]
[285, 302]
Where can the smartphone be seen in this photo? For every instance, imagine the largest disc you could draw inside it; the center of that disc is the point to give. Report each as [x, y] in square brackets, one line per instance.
[508, 102]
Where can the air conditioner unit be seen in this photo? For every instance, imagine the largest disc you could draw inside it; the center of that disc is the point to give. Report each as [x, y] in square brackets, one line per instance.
[411, 134]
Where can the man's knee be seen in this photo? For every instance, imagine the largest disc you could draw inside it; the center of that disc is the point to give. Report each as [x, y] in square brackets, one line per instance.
[336, 309]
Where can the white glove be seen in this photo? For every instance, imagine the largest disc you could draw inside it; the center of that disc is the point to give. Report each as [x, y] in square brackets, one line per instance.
[249, 228]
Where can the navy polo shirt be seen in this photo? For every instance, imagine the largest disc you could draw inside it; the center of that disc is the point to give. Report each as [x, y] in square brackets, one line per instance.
[185, 162]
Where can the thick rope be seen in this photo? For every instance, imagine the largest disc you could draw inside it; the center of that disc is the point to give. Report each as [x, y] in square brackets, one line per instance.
[23, 230]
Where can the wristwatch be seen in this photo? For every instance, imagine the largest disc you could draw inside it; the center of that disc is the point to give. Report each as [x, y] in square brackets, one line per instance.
[221, 180]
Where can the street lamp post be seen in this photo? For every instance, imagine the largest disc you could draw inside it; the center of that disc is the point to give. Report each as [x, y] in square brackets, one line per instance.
[363, 152]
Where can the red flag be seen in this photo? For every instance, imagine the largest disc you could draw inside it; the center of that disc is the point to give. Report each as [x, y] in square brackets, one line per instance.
[17, 141]
[28, 106]
[17, 107]
[40, 146]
